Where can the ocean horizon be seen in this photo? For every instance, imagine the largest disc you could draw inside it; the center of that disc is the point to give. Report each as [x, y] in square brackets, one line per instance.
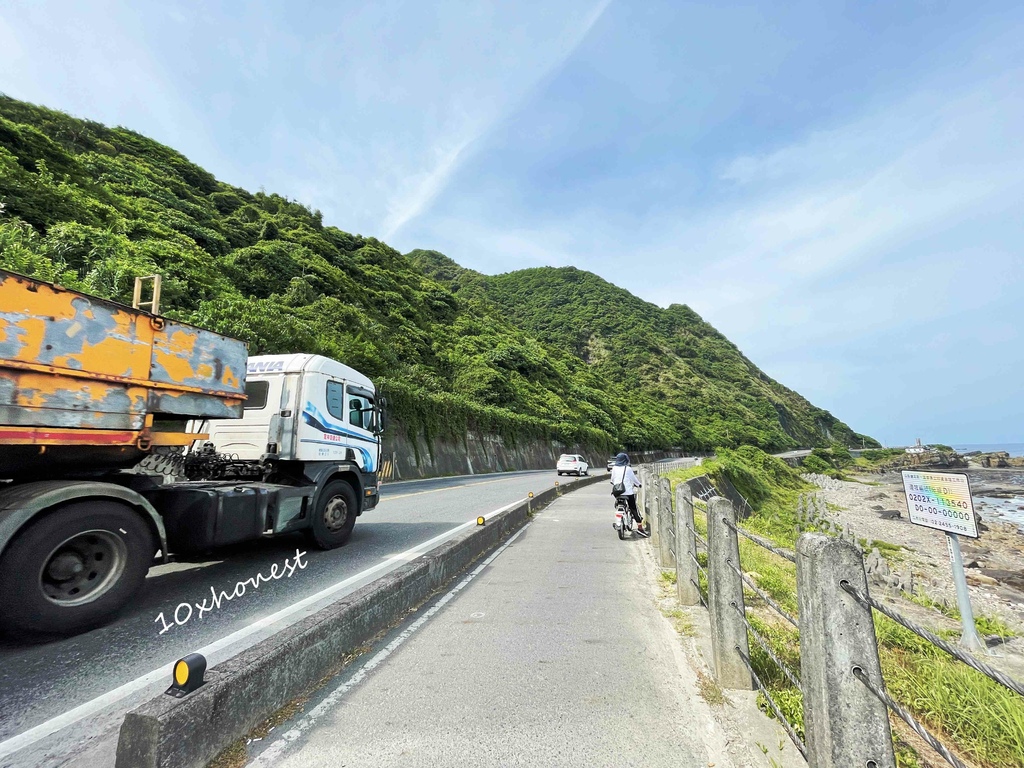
[1014, 449]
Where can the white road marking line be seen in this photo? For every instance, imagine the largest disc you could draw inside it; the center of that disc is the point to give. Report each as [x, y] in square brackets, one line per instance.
[387, 497]
[51, 726]
[275, 750]
[517, 473]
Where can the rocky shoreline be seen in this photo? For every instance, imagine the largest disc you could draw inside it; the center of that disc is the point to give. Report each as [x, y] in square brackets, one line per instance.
[874, 507]
[996, 459]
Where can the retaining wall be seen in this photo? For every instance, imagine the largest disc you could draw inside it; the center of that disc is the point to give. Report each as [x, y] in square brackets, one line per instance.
[481, 453]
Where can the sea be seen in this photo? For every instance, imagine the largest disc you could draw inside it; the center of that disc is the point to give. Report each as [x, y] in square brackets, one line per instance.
[1009, 510]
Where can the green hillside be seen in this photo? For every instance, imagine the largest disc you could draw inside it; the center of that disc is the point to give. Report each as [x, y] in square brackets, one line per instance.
[556, 354]
[716, 395]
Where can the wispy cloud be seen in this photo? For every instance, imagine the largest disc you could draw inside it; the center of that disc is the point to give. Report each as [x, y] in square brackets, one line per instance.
[856, 197]
[443, 160]
[96, 64]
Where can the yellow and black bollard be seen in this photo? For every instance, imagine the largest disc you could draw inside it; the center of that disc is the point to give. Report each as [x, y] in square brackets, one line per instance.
[188, 675]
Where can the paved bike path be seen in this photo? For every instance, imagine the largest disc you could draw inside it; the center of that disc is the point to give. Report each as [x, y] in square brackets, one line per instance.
[555, 654]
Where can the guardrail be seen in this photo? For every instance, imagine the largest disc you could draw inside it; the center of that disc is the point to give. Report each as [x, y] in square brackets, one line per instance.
[845, 702]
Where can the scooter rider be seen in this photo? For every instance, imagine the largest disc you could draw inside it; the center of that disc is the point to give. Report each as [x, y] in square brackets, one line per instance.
[623, 473]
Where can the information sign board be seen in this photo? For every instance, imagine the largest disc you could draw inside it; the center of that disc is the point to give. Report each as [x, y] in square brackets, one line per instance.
[941, 500]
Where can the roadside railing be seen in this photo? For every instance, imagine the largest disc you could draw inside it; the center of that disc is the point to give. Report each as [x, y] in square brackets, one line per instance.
[845, 702]
[660, 468]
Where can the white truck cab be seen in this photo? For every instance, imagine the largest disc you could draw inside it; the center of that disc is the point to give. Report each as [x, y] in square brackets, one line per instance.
[305, 408]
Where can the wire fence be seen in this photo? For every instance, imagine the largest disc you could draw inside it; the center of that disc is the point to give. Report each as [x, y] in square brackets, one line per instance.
[878, 690]
[905, 715]
[797, 741]
[661, 468]
[762, 642]
[758, 638]
[764, 596]
[957, 653]
[788, 554]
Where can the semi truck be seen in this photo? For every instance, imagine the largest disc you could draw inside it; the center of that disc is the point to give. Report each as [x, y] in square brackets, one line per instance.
[128, 438]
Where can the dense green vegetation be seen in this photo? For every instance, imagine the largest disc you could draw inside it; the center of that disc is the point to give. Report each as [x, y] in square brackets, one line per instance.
[873, 459]
[556, 354]
[983, 721]
[829, 461]
[712, 394]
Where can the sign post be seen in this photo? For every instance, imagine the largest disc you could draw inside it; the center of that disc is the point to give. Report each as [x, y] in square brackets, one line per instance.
[942, 500]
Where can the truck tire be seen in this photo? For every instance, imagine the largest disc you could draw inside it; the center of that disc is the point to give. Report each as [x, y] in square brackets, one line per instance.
[74, 569]
[334, 515]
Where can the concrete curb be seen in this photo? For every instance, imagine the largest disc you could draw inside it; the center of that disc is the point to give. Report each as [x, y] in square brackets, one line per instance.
[245, 690]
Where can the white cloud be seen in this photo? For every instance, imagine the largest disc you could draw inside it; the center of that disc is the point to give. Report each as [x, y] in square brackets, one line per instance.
[417, 193]
[362, 109]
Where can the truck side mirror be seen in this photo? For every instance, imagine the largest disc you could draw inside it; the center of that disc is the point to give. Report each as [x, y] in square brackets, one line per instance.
[380, 423]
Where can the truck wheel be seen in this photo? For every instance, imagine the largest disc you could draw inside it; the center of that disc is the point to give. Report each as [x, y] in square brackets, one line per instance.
[334, 515]
[74, 568]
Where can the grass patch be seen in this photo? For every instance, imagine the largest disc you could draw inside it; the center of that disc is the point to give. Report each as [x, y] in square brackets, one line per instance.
[710, 691]
[883, 547]
[680, 620]
[893, 553]
[962, 707]
[234, 756]
[688, 473]
[668, 577]
[986, 625]
[237, 754]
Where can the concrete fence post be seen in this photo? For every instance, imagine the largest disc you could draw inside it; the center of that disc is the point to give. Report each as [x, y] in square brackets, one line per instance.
[653, 521]
[845, 724]
[666, 520]
[725, 598]
[686, 548]
[644, 476]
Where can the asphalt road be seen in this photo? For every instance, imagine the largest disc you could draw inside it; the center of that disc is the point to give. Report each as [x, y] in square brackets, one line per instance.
[108, 671]
[794, 454]
[555, 655]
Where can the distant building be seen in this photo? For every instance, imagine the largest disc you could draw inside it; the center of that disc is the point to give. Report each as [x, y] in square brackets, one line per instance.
[917, 448]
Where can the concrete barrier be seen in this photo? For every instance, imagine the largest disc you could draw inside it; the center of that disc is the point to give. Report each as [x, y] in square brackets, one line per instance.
[242, 692]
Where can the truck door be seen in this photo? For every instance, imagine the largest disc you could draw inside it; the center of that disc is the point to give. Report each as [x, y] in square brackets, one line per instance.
[361, 417]
[334, 425]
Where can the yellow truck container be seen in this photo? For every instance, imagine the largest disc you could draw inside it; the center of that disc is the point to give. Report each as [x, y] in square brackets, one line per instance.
[76, 370]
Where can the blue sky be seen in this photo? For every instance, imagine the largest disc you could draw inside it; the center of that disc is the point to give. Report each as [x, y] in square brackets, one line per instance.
[837, 187]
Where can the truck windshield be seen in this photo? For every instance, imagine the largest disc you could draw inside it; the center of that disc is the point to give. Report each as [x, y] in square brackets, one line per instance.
[256, 395]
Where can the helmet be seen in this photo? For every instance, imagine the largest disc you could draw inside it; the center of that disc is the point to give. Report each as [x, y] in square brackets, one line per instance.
[622, 460]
